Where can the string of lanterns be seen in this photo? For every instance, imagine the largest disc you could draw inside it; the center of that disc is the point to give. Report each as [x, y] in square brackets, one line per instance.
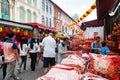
[22, 32]
[81, 18]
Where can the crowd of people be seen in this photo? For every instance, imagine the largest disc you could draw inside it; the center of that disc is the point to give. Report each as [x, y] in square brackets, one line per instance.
[52, 51]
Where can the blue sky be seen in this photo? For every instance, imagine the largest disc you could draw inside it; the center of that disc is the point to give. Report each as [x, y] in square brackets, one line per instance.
[77, 6]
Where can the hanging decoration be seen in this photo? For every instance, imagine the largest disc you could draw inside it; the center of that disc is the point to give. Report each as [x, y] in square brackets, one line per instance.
[26, 32]
[18, 30]
[1, 28]
[83, 16]
[30, 34]
[14, 30]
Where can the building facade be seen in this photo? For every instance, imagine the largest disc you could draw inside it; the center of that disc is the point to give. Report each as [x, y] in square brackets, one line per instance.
[41, 11]
[6, 9]
[27, 10]
[61, 19]
[47, 13]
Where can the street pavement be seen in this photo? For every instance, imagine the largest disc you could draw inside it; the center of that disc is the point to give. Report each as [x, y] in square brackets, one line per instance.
[28, 74]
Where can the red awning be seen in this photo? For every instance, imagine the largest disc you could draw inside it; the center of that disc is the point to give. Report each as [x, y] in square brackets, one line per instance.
[38, 25]
[104, 6]
[94, 23]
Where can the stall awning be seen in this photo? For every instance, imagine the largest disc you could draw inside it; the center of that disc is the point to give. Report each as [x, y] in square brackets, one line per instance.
[15, 24]
[104, 6]
[94, 23]
[38, 25]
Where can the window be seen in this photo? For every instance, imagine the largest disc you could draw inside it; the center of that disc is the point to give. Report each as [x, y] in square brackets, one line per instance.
[50, 9]
[46, 7]
[5, 9]
[43, 5]
[47, 21]
[34, 17]
[22, 14]
[50, 23]
[66, 29]
[73, 32]
[28, 15]
[29, 2]
[62, 28]
[35, 3]
[43, 19]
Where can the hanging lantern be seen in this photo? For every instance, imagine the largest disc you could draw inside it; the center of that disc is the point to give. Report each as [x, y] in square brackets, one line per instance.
[26, 32]
[30, 35]
[87, 12]
[18, 30]
[10, 29]
[93, 7]
[84, 15]
[14, 30]
[1, 29]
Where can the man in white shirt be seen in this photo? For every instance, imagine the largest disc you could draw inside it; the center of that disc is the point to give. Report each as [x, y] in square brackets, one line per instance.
[49, 45]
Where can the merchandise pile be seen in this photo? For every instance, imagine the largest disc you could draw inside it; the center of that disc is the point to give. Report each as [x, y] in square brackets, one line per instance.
[82, 66]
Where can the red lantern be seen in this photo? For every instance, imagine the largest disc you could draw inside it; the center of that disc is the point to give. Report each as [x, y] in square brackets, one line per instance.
[87, 12]
[1, 29]
[81, 19]
[10, 29]
[18, 30]
[84, 15]
[93, 7]
[14, 30]
[30, 35]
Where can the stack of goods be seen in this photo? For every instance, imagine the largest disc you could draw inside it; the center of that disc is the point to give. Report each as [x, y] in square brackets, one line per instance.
[86, 44]
[78, 66]
[80, 43]
[104, 66]
[111, 44]
[71, 68]
[76, 41]
[60, 72]
[116, 29]
[90, 76]
[114, 40]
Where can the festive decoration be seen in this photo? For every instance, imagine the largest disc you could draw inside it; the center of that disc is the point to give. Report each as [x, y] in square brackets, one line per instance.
[84, 15]
[14, 30]
[1, 29]
[18, 30]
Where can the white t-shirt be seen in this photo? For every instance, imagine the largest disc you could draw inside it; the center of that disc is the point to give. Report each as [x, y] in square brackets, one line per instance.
[23, 51]
[35, 48]
[49, 44]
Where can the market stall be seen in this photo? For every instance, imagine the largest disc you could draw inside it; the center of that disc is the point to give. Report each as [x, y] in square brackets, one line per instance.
[21, 29]
[78, 66]
[83, 65]
[93, 28]
[41, 29]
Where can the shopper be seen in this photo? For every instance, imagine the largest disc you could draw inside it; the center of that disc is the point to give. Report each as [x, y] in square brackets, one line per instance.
[38, 43]
[95, 46]
[23, 48]
[10, 51]
[33, 53]
[49, 45]
[104, 49]
[4, 65]
[61, 48]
